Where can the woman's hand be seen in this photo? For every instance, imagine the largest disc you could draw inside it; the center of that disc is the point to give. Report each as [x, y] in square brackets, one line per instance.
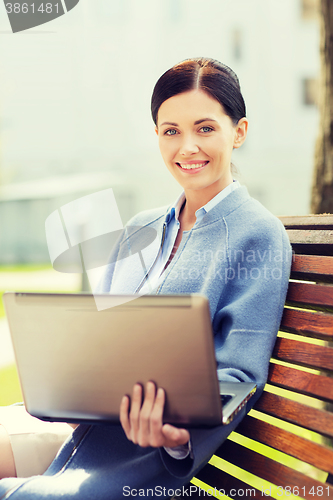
[143, 424]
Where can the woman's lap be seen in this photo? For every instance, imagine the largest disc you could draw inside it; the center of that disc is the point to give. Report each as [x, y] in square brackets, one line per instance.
[96, 462]
[7, 463]
[34, 443]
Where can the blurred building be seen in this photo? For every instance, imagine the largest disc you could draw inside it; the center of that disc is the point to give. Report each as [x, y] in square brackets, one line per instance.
[75, 100]
[25, 206]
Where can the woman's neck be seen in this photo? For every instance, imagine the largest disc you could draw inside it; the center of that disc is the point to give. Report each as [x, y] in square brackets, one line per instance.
[195, 199]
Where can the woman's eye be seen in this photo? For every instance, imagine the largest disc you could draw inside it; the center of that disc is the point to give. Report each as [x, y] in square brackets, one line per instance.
[206, 129]
[171, 131]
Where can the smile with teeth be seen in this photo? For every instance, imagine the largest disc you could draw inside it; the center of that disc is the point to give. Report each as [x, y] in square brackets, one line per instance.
[191, 166]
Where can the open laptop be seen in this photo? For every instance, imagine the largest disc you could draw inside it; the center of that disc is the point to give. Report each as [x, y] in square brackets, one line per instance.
[75, 363]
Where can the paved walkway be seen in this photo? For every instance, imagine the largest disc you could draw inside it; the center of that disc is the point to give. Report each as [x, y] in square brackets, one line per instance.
[49, 280]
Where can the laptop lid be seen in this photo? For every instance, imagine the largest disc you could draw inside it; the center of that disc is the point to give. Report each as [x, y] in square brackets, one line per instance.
[75, 363]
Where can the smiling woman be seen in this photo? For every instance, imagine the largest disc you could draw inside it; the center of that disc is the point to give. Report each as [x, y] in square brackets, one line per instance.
[203, 240]
[197, 151]
[200, 117]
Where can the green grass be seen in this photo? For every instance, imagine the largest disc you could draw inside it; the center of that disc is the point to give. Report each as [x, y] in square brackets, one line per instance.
[24, 268]
[10, 387]
[2, 309]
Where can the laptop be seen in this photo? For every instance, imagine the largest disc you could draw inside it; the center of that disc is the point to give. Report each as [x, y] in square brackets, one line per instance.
[75, 363]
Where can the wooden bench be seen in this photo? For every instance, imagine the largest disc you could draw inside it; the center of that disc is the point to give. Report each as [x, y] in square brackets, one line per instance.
[293, 419]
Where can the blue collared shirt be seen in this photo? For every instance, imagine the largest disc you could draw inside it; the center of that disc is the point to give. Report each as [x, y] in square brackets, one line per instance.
[172, 228]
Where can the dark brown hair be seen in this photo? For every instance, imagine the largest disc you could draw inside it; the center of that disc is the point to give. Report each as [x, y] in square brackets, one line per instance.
[206, 74]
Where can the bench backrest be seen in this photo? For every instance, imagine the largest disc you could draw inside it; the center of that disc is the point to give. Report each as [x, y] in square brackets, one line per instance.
[293, 416]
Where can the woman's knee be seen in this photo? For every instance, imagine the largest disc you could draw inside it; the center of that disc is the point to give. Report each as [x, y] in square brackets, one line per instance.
[7, 463]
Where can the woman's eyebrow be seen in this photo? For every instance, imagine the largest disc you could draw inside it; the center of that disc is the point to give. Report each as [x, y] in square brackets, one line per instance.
[204, 120]
[169, 123]
[197, 122]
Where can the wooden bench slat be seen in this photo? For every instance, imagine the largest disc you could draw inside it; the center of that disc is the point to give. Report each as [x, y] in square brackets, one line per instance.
[221, 480]
[311, 249]
[312, 453]
[310, 295]
[268, 469]
[304, 354]
[308, 236]
[308, 323]
[310, 384]
[300, 414]
[312, 268]
[307, 221]
[307, 241]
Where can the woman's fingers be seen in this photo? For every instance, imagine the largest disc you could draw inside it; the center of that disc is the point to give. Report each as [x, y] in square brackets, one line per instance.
[134, 414]
[145, 415]
[143, 422]
[174, 436]
[156, 419]
[136, 421]
[123, 416]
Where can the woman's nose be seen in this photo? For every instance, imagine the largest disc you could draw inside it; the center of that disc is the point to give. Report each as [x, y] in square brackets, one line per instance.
[188, 146]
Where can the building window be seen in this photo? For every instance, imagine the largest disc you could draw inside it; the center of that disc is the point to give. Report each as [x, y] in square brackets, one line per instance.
[309, 9]
[310, 91]
[237, 44]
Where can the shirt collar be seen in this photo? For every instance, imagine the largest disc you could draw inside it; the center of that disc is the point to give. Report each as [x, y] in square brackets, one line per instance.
[175, 209]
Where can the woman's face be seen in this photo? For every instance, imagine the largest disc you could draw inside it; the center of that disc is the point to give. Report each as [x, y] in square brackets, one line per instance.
[196, 139]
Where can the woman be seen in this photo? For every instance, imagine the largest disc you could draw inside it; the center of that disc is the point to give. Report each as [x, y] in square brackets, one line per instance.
[215, 240]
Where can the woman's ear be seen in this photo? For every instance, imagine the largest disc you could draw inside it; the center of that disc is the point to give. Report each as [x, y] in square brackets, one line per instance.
[156, 130]
[241, 132]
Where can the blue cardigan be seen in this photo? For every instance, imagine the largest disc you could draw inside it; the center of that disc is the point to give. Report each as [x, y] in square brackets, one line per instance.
[239, 256]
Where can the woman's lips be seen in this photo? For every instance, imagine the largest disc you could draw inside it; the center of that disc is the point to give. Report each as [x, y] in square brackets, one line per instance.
[192, 167]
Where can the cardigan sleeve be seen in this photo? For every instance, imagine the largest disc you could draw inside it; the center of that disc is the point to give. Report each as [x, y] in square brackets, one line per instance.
[250, 308]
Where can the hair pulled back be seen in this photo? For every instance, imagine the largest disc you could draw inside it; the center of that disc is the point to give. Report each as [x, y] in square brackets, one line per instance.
[205, 74]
